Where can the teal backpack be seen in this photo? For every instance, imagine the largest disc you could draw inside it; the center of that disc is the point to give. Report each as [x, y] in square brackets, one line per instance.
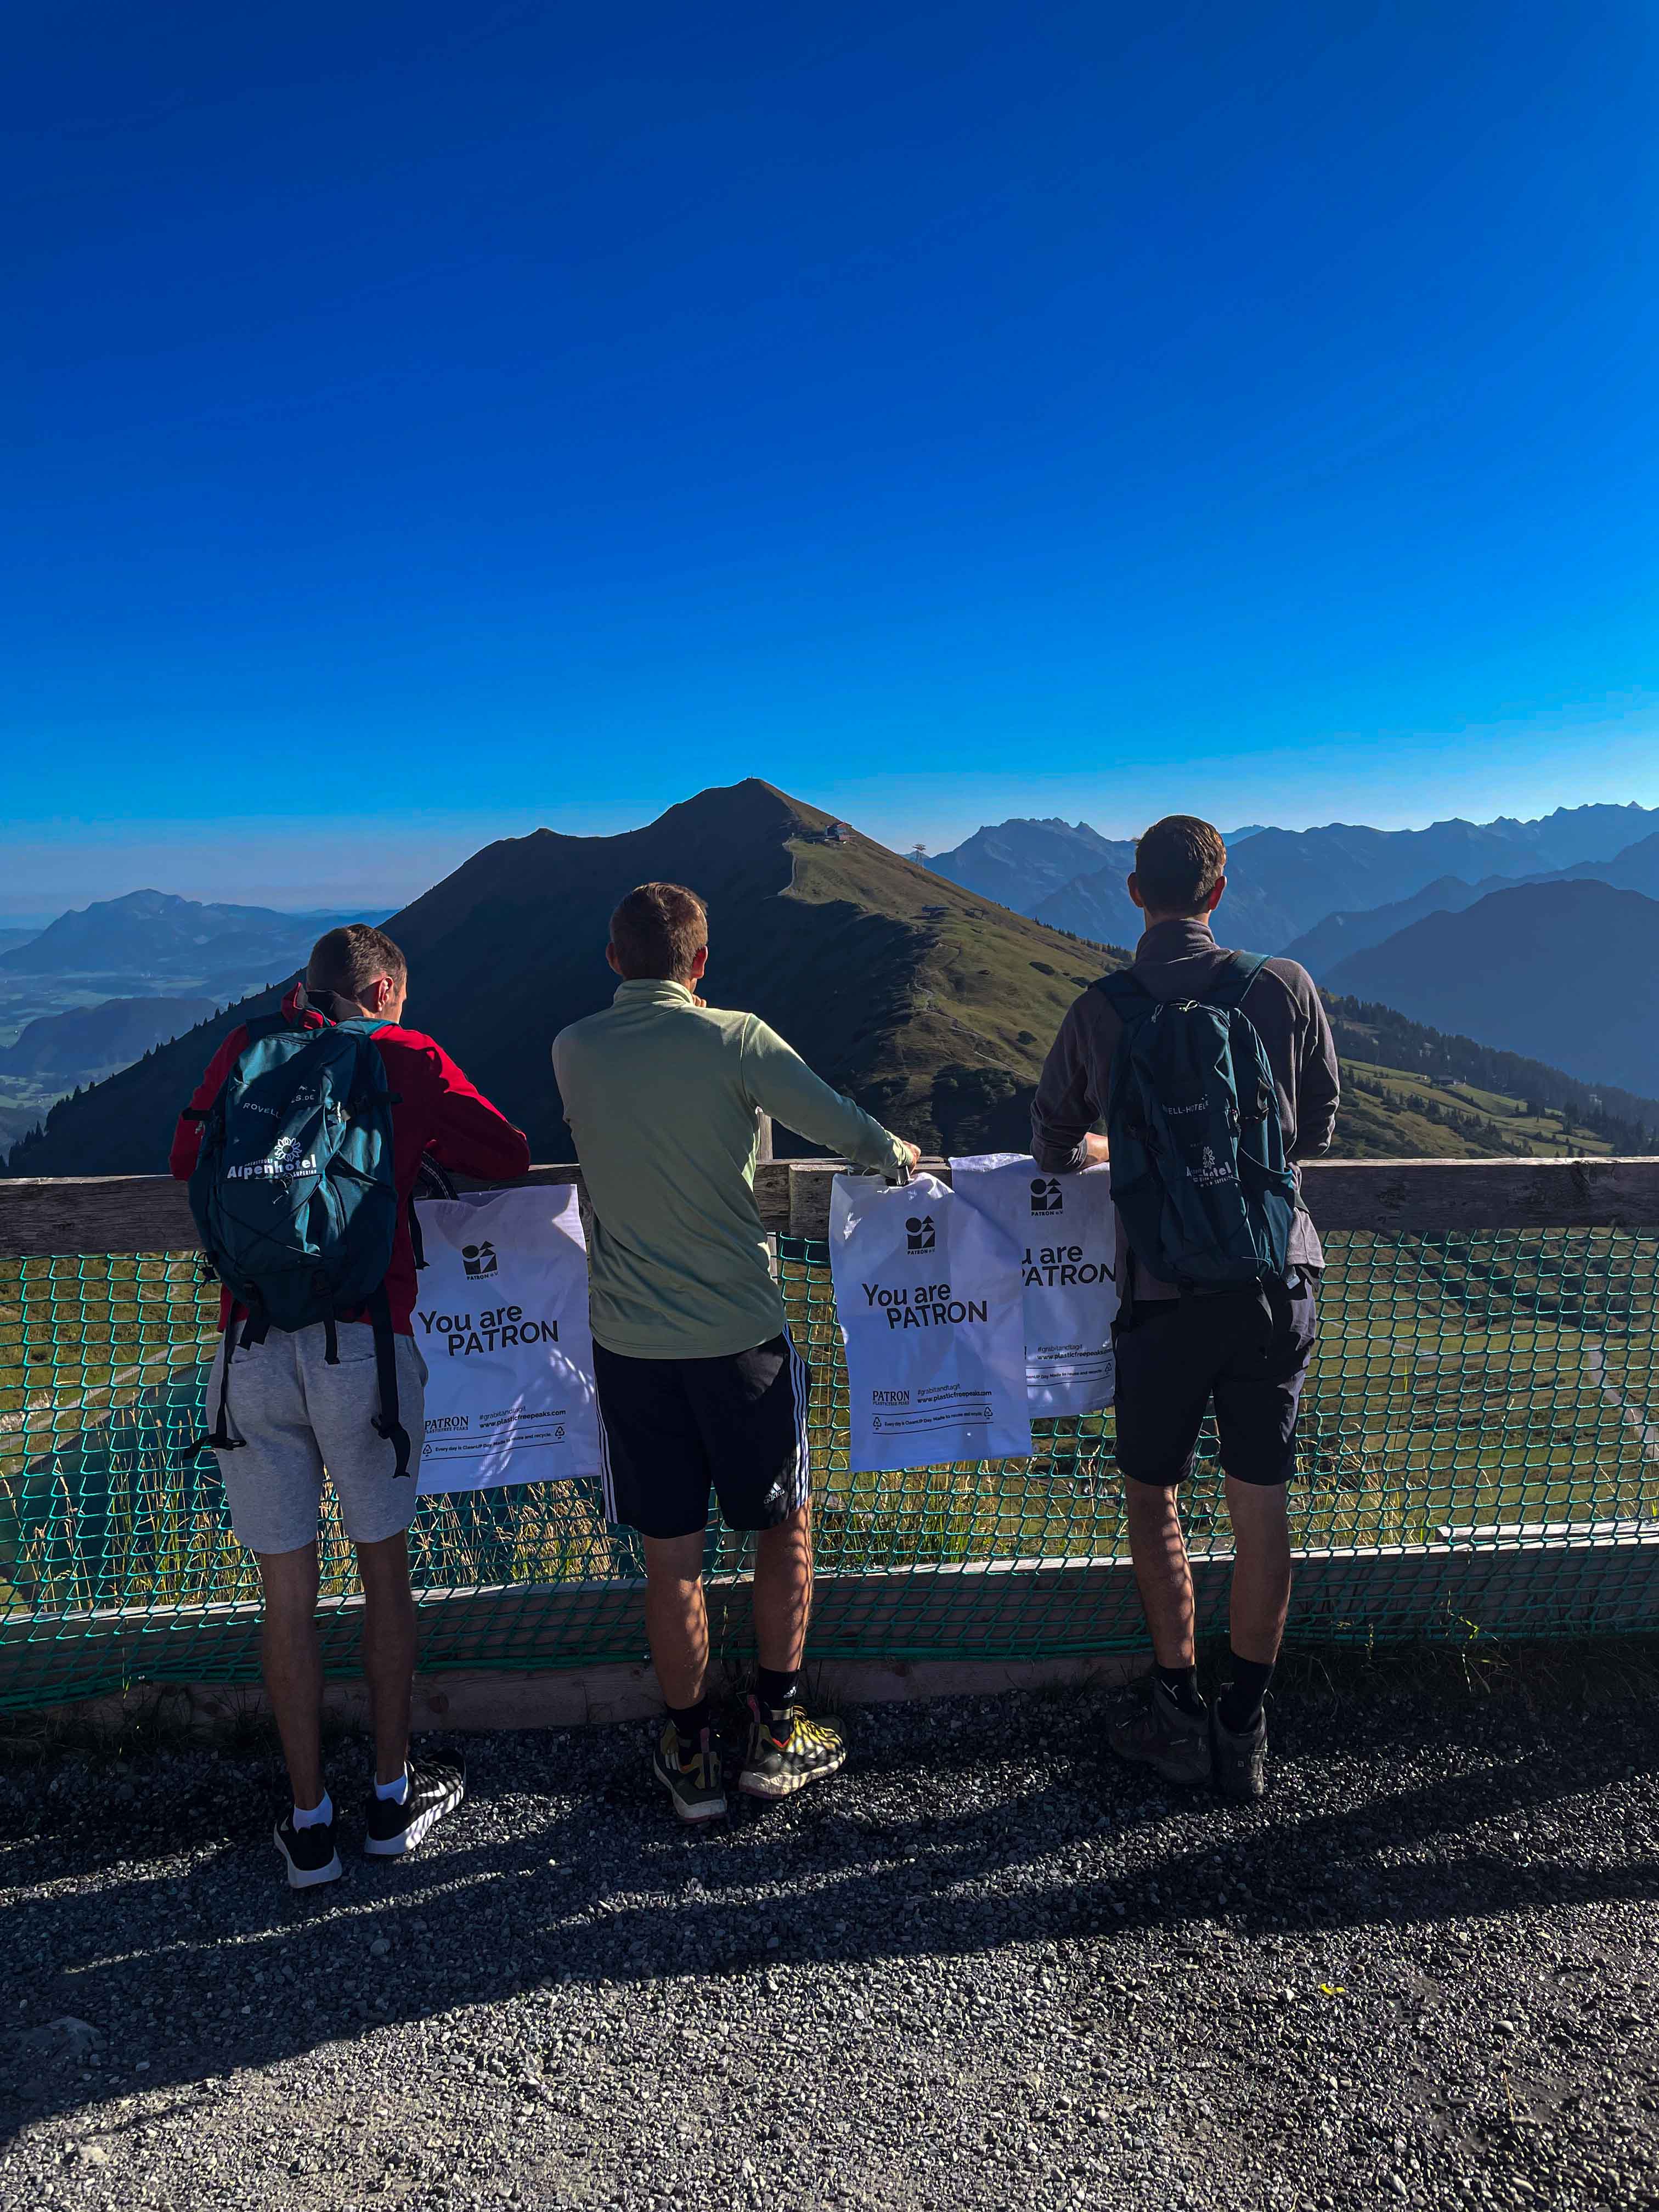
[294, 1196]
[1199, 1172]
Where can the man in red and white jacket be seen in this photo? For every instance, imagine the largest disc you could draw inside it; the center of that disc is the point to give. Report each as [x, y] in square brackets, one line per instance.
[297, 1413]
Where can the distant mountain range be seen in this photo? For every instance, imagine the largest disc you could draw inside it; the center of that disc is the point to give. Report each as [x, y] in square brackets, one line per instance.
[91, 1041]
[1285, 883]
[1019, 864]
[930, 1004]
[153, 933]
[1333, 940]
[1571, 967]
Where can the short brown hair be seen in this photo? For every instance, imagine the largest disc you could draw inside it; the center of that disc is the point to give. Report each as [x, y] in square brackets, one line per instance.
[347, 960]
[1178, 863]
[657, 932]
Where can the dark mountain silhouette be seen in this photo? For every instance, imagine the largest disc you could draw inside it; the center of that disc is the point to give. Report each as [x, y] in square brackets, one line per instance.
[89, 1042]
[1284, 882]
[931, 1007]
[153, 933]
[1339, 935]
[1569, 969]
[1635, 869]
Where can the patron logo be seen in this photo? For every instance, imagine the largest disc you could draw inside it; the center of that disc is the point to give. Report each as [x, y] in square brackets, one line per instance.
[445, 1422]
[890, 1397]
[1046, 1195]
[919, 1233]
[478, 1258]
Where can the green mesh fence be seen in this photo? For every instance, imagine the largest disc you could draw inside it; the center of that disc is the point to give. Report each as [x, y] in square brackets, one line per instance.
[1480, 1454]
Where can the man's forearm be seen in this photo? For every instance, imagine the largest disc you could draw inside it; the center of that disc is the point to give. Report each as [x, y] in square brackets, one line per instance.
[1055, 1157]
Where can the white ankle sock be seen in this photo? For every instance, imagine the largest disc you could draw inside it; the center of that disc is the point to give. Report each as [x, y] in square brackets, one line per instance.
[393, 1793]
[319, 1816]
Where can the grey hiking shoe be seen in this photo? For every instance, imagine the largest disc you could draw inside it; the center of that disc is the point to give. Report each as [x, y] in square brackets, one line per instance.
[696, 1785]
[1239, 1762]
[1152, 1731]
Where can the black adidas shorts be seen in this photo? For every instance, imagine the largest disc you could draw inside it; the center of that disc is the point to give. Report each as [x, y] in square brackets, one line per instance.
[1246, 1349]
[671, 1429]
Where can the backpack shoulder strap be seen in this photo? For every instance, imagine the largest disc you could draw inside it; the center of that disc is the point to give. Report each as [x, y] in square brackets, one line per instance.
[1126, 991]
[1235, 979]
[262, 1025]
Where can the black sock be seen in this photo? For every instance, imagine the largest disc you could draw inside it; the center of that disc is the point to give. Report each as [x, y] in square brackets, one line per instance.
[777, 1688]
[690, 1722]
[1240, 1701]
[1182, 1683]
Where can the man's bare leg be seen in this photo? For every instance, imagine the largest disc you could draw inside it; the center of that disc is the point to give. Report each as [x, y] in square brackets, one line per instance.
[676, 1617]
[785, 1749]
[1261, 1569]
[1162, 1573]
[1260, 1600]
[1166, 1729]
[783, 1592]
[291, 1660]
[388, 1649]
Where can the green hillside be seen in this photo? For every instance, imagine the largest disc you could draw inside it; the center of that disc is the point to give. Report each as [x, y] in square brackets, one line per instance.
[1390, 1113]
[1410, 1089]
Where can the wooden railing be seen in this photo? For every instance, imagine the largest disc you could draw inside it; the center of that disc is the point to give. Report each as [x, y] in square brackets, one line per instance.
[55, 1215]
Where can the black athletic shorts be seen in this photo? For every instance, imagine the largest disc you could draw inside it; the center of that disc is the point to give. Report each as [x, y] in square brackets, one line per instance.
[1247, 1349]
[670, 1428]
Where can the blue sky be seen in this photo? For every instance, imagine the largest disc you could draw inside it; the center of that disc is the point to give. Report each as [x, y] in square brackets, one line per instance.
[433, 423]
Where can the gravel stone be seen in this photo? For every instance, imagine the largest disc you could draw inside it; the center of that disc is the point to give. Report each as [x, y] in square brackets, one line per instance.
[987, 1967]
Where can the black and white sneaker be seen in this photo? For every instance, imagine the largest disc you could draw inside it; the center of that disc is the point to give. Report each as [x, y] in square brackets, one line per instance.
[434, 1790]
[310, 1852]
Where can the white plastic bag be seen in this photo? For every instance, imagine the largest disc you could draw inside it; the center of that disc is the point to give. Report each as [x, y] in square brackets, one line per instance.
[501, 1317]
[928, 1299]
[1065, 1229]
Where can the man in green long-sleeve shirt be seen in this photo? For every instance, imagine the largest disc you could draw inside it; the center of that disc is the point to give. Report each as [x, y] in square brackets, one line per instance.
[699, 1385]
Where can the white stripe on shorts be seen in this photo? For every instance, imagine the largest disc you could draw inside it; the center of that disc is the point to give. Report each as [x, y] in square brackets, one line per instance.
[607, 1478]
[801, 1383]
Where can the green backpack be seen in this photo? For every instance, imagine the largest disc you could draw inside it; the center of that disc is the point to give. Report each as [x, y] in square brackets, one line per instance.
[294, 1196]
[1199, 1172]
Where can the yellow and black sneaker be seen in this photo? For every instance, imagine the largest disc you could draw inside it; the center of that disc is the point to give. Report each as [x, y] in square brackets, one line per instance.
[695, 1782]
[786, 1750]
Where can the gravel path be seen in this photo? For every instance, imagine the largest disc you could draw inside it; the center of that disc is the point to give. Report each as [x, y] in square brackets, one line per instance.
[987, 1967]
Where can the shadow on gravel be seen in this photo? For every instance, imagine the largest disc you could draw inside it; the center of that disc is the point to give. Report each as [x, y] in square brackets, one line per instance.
[983, 1826]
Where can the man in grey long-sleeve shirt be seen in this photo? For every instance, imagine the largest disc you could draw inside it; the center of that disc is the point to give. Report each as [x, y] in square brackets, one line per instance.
[1247, 1350]
[698, 1382]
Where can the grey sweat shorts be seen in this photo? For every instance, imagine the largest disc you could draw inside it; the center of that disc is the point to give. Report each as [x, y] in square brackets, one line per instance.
[300, 1418]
